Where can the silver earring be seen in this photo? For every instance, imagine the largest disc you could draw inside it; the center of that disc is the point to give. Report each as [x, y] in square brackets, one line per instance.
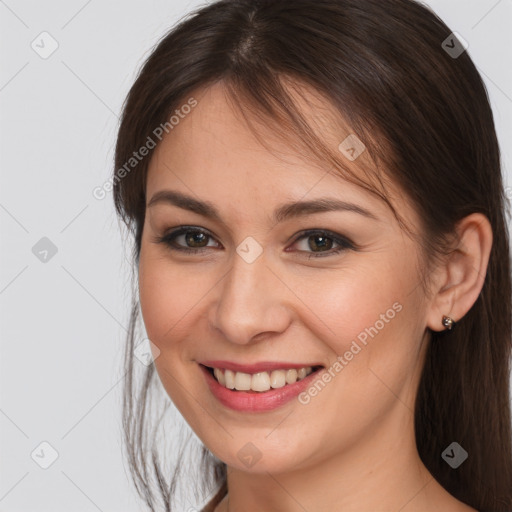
[448, 322]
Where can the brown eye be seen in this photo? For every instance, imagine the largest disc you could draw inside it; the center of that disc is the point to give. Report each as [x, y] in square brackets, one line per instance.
[322, 243]
[187, 239]
[196, 239]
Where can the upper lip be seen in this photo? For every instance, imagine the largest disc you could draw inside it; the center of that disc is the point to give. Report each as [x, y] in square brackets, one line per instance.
[256, 367]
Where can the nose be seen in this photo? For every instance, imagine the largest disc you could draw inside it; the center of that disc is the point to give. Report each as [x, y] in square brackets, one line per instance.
[251, 303]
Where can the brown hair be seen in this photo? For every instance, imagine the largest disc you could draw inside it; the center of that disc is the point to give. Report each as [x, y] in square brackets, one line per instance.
[425, 119]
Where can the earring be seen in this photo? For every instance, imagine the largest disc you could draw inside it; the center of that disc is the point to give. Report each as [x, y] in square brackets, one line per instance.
[448, 322]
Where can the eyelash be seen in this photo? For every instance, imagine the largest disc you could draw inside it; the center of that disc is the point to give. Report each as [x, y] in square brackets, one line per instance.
[343, 242]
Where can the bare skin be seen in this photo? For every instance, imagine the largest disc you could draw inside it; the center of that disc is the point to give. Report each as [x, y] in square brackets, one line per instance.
[352, 446]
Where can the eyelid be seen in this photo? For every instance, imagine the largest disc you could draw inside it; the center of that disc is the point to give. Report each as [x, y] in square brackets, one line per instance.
[170, 236]
[338, 238]
[343, 242]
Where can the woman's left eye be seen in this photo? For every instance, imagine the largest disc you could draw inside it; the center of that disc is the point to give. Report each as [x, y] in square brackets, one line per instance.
[319, 242]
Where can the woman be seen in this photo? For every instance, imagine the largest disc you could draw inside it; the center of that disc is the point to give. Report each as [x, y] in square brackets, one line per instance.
[318, 214]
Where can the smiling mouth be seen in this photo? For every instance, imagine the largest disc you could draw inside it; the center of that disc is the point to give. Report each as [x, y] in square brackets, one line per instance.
[261, 381]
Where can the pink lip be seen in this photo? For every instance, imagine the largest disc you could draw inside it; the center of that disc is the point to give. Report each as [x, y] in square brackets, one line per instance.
[255, 367]
[244, 401]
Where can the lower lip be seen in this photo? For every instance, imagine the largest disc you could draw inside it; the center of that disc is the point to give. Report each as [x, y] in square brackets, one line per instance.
[256, 401]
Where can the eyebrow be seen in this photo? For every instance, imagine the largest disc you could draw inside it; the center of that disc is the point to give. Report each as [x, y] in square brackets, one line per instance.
[284, 212]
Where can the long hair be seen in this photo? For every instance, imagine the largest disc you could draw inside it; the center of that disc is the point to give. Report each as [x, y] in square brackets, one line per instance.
[390, 70]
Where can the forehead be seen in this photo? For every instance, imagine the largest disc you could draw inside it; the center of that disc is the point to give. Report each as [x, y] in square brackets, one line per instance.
[220, 125]
[212, 151]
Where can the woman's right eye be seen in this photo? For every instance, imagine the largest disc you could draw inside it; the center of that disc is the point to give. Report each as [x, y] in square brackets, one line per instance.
[187, 239]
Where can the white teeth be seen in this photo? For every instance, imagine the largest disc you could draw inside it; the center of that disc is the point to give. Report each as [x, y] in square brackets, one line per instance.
[261, 381]
[277, 379]
[219, 376]
[291, 376]
[242, 381]
[229, 376]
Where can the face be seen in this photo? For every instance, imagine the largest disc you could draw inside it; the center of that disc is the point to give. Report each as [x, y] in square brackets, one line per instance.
[334, 291]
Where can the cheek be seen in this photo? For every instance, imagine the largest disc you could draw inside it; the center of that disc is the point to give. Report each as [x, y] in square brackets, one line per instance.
[367, 319]
[169, 294]
[373, 355]
[169, 298]
[345, 307]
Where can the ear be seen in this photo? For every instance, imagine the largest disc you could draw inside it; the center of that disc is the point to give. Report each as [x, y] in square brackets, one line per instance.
[460, 279]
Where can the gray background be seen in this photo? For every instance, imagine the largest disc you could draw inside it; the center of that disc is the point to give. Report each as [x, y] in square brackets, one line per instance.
[63, 321]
